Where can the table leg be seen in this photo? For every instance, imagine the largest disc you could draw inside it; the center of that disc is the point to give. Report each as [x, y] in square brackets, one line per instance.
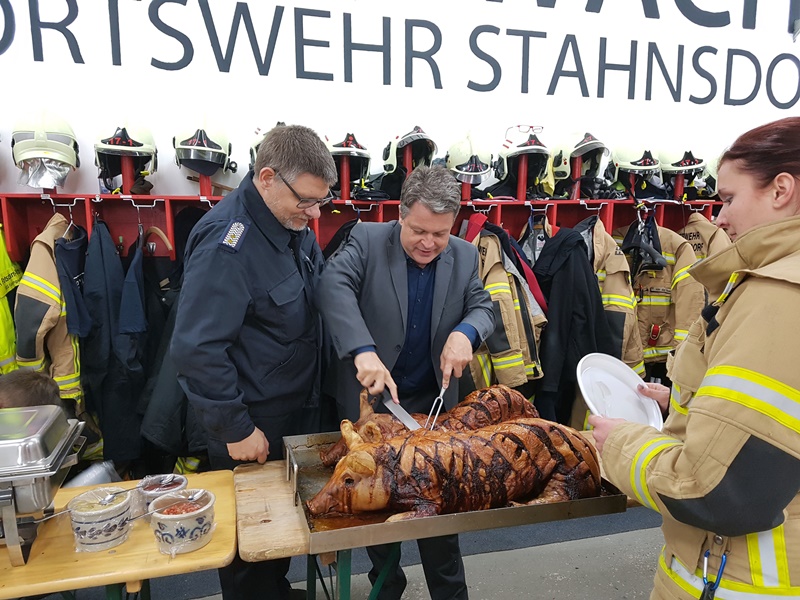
[343, 573]
[389, 565]
[311, 577]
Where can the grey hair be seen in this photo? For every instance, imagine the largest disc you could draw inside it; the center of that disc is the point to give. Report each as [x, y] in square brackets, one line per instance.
[294, 150]
[434, 188]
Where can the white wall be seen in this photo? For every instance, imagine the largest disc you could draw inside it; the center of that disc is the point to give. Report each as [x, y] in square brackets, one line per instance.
[96, 95]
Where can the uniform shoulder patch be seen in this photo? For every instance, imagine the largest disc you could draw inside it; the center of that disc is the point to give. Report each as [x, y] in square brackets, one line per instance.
[232, 238]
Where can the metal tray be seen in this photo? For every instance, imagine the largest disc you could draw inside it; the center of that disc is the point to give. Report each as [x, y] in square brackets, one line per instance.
[328, 534]
[31, 437]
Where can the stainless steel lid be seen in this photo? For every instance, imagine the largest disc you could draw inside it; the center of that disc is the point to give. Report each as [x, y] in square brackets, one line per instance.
[32, 439]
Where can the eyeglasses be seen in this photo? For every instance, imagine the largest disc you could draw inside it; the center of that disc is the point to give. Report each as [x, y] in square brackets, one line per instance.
[307, 202]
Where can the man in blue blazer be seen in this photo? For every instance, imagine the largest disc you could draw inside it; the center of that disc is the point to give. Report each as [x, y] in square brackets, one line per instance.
[405, 309]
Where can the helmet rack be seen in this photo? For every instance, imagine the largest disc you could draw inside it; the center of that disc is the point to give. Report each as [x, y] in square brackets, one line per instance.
[408, 158]
[576, 167]
[522, 175]
[680, 182]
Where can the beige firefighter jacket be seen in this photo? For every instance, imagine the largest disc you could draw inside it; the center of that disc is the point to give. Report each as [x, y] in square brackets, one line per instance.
[669, 299]
[43, 342]
[705, 237]
[507, 356]
[725, 473]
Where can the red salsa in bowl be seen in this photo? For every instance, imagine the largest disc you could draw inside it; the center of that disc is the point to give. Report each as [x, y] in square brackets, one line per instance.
[181, 508]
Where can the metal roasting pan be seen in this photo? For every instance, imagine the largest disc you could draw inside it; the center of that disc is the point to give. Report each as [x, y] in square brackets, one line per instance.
[327, 534]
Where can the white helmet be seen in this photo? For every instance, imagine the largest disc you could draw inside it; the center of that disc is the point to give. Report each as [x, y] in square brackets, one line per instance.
[126, 141]
[522, 139]
[680, 163]
[359, 156]
[709, 180]
[469, 163]
[45, 137]
[639, 162]
[203, 152]
[593, 152]
[423, 149]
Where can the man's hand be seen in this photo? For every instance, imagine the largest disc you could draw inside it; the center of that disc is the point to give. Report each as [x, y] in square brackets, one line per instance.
[373, 375]
[602, 428]
[656, 391]
[254, 447]
[456, 354]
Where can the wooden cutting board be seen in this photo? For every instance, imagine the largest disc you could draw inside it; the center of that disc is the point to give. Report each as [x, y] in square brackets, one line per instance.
[269, 525]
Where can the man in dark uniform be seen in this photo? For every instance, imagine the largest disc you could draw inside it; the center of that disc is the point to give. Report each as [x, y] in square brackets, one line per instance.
[247, 337]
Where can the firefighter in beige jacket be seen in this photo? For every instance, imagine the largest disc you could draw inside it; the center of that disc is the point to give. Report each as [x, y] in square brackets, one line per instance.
[725, 472]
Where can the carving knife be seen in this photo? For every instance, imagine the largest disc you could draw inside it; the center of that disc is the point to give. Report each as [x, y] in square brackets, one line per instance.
[399, 412]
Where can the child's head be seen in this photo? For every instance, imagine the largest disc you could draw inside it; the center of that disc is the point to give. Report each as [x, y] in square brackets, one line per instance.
[28, 388]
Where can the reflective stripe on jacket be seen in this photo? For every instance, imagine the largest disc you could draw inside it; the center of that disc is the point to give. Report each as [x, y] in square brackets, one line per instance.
[725, 472]
[43, 342]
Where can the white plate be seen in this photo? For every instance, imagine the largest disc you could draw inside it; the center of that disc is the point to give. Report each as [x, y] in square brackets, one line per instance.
[609, 386]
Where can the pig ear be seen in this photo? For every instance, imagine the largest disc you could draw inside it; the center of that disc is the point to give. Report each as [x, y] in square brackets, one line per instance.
[351, 437]
[371, 433]
[361, 462]
[365, 405]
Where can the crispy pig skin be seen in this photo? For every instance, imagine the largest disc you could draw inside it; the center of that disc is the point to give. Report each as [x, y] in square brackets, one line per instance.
[488, 406]
[426, 473]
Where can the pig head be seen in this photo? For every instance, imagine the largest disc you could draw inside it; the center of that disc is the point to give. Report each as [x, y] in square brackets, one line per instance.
[357, 484]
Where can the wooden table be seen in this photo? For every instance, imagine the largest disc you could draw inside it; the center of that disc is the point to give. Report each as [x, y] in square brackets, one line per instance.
[55, 566]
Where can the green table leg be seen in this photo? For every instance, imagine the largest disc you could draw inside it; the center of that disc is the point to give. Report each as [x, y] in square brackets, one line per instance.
[311, 577]
[114, 591]
[343, 573]
[390, 565]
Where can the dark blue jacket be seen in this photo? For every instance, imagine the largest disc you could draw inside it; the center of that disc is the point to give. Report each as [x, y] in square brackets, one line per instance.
[246, 340]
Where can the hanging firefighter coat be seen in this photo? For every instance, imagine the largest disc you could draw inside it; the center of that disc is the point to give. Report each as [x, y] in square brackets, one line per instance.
[668, 299]
[705, 237]
[729, 483]
[43, 342]
[508, 355]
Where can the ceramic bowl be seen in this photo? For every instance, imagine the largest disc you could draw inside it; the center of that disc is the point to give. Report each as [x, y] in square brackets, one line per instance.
[181, 526]
[153, 486]
[98, 527]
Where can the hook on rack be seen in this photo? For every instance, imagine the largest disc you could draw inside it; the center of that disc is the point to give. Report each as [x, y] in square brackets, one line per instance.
[484, 211]
[593, 209]
[138, 208]
[700, 208]
[535, 209]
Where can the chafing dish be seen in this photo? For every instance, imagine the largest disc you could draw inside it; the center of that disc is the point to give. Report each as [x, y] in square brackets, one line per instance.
[330, 533]
[38, 445]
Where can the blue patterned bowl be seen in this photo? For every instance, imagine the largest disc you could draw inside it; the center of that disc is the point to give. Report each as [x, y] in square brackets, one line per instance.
[181, 526]
[96, 526]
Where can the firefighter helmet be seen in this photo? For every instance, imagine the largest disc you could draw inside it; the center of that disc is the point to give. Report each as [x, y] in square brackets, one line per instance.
[469, 162]
[594, 155]
[135, 142]
[522, 139]
[639, 162]
[680, 163]
[358, 154]
[204, 152]
[423, 149]
[45, 137]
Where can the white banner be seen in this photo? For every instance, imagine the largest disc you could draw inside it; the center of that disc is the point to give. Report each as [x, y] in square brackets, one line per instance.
[685, 74]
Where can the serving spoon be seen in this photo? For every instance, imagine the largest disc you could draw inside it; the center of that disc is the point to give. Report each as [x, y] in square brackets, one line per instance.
[196, 495]
[169, 478]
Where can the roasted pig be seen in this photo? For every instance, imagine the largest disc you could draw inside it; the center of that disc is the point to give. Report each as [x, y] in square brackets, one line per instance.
[484, 407]
[434, 472]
